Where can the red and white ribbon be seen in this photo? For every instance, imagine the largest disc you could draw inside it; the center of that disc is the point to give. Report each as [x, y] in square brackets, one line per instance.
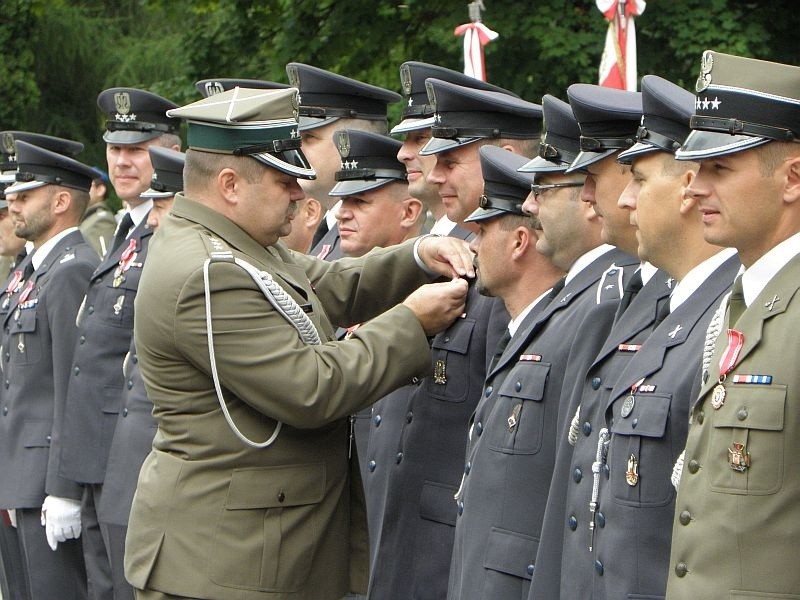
[476, 36]
[618, 64]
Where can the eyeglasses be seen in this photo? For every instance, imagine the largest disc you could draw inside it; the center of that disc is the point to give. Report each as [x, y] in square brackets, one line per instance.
[540, 189]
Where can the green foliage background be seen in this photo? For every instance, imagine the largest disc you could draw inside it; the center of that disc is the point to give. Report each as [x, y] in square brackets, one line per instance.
[57, 55]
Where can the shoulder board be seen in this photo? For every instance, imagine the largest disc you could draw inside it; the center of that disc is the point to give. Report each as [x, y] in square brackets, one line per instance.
[215, 247]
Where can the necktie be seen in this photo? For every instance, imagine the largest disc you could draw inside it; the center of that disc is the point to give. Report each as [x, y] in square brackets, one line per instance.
[322, 229]
[736, 303]
[633, 287]
[122, 232]
[501, 347]
[662, 311]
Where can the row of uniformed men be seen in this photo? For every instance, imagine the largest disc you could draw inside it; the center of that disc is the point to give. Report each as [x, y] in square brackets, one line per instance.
[413, 439]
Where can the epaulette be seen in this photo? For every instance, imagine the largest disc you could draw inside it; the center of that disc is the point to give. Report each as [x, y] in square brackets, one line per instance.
[609, 288]
[216, 248]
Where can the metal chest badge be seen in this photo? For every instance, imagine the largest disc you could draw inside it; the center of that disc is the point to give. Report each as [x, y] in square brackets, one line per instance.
[738, 457]
[513, 418]
[126, 261]
[440, 372]
[632, 474]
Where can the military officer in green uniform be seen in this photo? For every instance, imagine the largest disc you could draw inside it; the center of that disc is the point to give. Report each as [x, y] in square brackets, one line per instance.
[248, 491]
[98, 223]
[737, 512]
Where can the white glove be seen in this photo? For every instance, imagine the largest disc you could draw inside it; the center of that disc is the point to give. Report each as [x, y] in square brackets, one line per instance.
[12, 516]
[61, 519]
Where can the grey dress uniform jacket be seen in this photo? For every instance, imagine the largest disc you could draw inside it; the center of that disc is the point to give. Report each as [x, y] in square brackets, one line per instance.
[130, 445]
[734, 536]
[509, 457]
[212, 517]
[636, 503]
[571, 490]
[328, 248]
[415, 454]
[40, 336]
[96, 381]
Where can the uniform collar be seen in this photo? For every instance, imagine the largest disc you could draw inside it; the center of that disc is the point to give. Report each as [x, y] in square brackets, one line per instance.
[41, 253]
[697, 276]
[138, 213]
[513, 324]
[756, 278]
[585, 260]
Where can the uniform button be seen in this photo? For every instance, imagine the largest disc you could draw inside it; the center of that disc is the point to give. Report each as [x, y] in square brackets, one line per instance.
[606, 471]
[573, 523]
[601, 519]
[48, 438]
[596, 381]
[281, 496]
[598, 566]
[742, 414]
[460, 508]
[5, 410]
[90, 310]
[577, 475]
[694, 466]
[7, 383]
[488, 391]
[398, 458]
[130, 384]
[409, 417]
[685, 517]
[415, 380]
[634, 423]
[518, 386]
[479, 428]
[467, 467]
[377, 420]
[701, 416]
[681, 569]
[82, 339]
[372, 466]
[530, 569]
[125, 412]
[587, 429]
[76, 370]
[135, 359]
[8, 356]
[447, 339]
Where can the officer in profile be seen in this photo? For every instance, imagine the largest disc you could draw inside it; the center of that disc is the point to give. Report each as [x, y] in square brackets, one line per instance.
[135, 121]
[736, 514]
[46, 204]
[328, 102]
[248, 484]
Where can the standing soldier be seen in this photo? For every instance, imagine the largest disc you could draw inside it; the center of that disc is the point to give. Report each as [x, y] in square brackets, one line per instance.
[136, 121]
[98, 223]
[135, 428]
[738, 507]
[46, 204]
[329, 102]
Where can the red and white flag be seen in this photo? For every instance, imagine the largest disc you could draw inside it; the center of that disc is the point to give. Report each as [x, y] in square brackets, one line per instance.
[618, 65]
[476, 36]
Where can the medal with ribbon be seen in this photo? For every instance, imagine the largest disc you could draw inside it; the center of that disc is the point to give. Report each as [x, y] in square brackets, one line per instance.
[13, 286]
[125, 262]
[630, 401]
[726, 364]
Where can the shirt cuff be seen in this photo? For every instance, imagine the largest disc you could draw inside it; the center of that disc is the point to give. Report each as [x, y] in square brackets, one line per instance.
[420, 263]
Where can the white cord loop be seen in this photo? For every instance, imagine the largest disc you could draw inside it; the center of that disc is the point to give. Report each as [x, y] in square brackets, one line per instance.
[282, 302]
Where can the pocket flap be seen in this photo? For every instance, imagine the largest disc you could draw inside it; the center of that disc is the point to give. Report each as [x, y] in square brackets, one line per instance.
[437, 503]
[526, 380]
[37, 434]
[456, 337]
[752, 407]
[273, 487]
[648, 417]
[510, 552]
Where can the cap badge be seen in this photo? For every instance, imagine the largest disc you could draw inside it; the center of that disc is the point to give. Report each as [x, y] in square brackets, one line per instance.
[122, 101]
[294, 76]
[704, 80]
[8, 143]
[213, 88]
[431, 95]
[343, 142]
[405, 79]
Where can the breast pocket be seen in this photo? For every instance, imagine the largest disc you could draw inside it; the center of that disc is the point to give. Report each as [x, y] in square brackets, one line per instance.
[271, 516]
[641, 456]
[517, 420]
[450, 351]
[24, 344]
[114, 305]
[747, 450]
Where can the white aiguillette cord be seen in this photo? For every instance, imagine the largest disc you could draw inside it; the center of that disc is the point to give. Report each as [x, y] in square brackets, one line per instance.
[282, 302]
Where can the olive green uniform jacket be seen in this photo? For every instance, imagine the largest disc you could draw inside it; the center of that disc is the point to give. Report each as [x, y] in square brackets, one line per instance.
[98, 226]
[734, 536]
[212, 517]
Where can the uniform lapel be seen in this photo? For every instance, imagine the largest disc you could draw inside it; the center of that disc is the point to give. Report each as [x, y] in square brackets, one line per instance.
[110, 261]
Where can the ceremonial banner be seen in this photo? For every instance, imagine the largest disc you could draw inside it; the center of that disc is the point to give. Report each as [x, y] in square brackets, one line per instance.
[476, 36]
